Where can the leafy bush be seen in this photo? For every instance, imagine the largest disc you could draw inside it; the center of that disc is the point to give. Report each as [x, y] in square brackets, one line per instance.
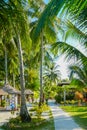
[58, 98]
[15, 120]
[62, 102]
[3, 103]
[41, 109]
[70, 97]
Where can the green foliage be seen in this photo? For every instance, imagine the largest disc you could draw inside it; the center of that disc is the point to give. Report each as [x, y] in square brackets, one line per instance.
[31, 77]
[48, 14]
[71, 102]
[62, 102]
[70, 96]
[58, 98]
[3, 103]
[79, 74]
[41, 109]
[36, 95]
[15, 120]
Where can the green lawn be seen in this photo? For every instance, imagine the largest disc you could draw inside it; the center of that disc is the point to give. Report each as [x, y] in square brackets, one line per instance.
[78, 113]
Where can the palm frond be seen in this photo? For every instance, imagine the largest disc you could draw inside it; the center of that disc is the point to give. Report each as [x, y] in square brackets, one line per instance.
[74, 31]
[79, 71]
[69, 50]
[48, 14]
[52, 9]
[77, 82]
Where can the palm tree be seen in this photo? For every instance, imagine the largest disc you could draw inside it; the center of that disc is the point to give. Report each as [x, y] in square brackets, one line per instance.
[17, 22]
[52, 9]
[57, 6]
[76, 24]
[45, 38]
[51, 69]
[51, 75]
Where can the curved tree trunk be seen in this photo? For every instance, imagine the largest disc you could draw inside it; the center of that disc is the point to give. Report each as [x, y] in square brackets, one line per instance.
[23, 110]
[41, 100]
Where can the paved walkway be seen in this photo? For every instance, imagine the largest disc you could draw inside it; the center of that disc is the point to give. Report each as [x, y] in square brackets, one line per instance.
[62, 120]
[5, 116]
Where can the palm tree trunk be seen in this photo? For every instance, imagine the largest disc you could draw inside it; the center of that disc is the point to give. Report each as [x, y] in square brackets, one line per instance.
[13, 80]
[6, 71]
[41, 72]
[23, 110]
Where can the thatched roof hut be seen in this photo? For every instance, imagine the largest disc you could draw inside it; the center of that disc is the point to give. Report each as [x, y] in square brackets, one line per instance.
[9, 89]
[28, 92]
[3, 93]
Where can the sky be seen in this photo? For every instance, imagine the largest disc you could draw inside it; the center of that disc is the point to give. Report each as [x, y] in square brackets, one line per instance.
[46, 1]
[63, 67]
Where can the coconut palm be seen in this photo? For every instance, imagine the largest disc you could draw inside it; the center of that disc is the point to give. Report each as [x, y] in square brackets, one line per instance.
[51, 75]
[51, 69]
[57, 6]
[17, 17]
[45, 38]
[75, 25]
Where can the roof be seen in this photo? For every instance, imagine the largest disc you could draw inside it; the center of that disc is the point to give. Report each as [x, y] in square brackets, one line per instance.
[28, 92]
[9, 89]
[2, 92]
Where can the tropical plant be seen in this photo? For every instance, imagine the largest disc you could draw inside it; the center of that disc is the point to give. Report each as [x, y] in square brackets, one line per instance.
[51, 69]
[45, 39]
[14, 14]
[51, 75]
[75, 25]
[79, 75]
[57, 6]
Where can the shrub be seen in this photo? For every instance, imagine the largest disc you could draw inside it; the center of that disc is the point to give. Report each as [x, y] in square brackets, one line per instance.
[41, 109]
[3, 103]
[62, 102]
[70, 97]
[15, 120]
[58, 98]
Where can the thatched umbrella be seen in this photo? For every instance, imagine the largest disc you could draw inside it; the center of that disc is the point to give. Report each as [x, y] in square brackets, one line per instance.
[28, 92]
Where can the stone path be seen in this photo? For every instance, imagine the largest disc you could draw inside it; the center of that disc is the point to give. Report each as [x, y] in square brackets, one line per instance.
[62, 120]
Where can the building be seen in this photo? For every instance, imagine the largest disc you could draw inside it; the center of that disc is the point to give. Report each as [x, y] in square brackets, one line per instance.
[12, 97]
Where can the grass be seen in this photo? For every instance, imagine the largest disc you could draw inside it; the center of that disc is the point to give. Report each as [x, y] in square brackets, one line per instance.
[79, 114]
[36, 123]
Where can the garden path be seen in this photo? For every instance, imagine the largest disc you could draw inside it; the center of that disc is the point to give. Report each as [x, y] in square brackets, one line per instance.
[5, 115]
[62, 120]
